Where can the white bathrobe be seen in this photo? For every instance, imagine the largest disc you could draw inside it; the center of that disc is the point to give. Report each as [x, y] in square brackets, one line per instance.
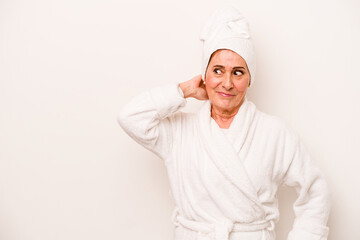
[224, 182]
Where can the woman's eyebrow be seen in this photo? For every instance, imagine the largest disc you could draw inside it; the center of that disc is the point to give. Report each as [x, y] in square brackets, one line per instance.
[218, 66]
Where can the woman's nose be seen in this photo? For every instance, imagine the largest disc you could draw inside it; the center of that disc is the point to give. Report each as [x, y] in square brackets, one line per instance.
[227, 83]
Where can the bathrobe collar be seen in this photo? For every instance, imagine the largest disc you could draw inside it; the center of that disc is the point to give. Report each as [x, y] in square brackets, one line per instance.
[224, 150]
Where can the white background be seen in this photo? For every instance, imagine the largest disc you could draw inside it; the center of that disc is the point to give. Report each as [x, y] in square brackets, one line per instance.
[68, 171]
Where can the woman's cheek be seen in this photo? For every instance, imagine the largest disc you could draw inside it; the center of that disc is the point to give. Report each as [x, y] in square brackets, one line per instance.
[242, 85]
[212, 82]
[210, 87]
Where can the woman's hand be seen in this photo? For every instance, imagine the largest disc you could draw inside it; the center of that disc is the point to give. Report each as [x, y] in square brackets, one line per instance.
[194, 88]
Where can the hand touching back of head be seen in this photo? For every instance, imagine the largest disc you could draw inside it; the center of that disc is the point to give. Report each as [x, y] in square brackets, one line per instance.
[194, 88]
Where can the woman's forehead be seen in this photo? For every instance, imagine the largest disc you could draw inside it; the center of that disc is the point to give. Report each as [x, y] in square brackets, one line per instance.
[227, 58]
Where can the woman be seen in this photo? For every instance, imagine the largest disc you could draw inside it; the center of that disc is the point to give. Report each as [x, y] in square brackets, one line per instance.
[226, 161]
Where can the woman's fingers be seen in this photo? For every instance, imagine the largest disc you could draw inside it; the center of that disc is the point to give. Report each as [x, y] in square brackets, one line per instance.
[194, 88]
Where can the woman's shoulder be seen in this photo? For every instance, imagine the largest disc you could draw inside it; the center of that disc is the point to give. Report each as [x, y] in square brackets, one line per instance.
[192, 114]
[181, 118]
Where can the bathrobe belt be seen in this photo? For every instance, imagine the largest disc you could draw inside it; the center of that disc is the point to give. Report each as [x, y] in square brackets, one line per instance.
[221, 229]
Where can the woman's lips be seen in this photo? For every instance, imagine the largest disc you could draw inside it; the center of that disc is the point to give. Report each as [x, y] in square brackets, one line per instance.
[225, 94]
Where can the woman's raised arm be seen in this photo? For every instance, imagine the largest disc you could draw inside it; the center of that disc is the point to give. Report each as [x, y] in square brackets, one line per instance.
[146, 117]
[149, 117]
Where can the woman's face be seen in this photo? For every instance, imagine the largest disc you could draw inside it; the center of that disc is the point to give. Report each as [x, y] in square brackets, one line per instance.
[227, 79]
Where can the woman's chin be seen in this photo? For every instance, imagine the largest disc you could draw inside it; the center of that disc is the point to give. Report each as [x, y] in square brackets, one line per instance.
[225, 104]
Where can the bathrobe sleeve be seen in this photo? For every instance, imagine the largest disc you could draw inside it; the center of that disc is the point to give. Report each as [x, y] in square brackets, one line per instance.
[147, 117]
[312, 207]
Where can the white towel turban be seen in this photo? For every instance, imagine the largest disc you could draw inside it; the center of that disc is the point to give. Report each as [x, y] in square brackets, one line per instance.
[228, 29]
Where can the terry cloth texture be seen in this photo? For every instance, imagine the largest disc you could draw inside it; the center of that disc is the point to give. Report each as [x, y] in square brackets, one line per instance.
[224, 187]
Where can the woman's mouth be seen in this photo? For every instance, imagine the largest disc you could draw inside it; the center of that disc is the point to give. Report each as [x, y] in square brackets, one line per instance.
[225, 94]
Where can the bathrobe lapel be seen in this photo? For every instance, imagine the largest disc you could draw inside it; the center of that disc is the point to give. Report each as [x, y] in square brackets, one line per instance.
[224, 151]
[240, 128]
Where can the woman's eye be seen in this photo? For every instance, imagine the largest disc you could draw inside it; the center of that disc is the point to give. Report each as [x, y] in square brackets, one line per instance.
[238, 72]
[217, 71]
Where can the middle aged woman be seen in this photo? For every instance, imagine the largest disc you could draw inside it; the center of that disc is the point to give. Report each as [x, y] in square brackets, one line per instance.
[226, 161]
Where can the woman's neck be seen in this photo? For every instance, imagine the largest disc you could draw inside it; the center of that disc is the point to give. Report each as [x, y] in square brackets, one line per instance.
[223, 117]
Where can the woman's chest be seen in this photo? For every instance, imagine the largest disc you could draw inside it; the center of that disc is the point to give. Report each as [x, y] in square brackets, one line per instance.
[255, 160]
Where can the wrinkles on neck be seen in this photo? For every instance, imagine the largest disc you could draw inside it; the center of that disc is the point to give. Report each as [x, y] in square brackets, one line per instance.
[224, 117]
